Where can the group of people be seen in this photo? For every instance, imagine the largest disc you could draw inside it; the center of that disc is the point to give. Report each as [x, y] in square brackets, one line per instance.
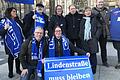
[28, 42]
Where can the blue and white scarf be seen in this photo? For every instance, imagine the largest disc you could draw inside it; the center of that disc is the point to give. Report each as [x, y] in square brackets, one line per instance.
[39, 21]
[65, 45]
[37, 54]
[14, 36]
[87, 31]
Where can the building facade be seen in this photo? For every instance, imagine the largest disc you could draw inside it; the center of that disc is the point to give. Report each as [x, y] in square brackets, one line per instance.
[80, 4]
[50, 6]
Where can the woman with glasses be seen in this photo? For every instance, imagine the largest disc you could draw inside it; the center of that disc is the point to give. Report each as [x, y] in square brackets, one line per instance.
[60, 46]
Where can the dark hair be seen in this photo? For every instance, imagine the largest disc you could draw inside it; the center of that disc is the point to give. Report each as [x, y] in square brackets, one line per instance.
[40, 5]
[72, 5]
[87, 7]
[8, 12]
[56, 9]
[56, 26]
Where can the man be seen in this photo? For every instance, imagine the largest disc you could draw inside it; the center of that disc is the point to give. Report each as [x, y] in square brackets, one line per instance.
[32, 53]
[73, 25]
[102, 16]
[115, 30]
[40, 18]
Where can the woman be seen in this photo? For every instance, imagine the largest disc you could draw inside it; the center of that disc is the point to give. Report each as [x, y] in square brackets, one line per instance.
[57, 19]
[11, 30]
[59, 45]
[89, 33]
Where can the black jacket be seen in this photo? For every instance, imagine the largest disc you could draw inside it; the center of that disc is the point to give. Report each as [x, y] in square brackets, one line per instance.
[73, 25]
[25, 54]
[92, 44]
[28, 23]
[56, 20]
[71, 46]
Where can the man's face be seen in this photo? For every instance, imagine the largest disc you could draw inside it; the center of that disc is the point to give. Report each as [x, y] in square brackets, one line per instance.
[58, 33]
[118, 3]
[100, 3]
[38, 33]
[72, 9]
[39, 9]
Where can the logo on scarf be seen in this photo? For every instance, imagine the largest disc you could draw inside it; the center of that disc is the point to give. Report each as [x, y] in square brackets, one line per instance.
[12, 35]
[39, 19]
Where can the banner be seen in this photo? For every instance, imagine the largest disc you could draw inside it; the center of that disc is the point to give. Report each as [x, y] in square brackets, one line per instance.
[68, 68]
[21, 1]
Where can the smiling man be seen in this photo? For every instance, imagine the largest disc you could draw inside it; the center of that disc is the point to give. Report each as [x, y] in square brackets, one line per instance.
[103, 18]
[32, 54]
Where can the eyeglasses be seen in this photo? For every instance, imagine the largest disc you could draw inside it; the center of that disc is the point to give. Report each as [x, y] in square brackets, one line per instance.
[57, 30]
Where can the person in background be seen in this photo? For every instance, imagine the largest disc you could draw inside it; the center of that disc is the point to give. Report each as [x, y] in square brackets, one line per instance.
[13, 37]
[102, 14]
[89, 34]
[33, 51]
[60, 46]
[73, 25]
[30, 18]
[57, 19]
[115, 30]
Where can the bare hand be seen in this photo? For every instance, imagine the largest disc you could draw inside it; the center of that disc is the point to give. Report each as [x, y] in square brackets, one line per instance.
[24, 72]
[88, 54]
[6, 26]
[34, 16]
[43, 60]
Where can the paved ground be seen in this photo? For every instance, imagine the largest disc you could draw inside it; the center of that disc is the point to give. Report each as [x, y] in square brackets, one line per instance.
[103, 73]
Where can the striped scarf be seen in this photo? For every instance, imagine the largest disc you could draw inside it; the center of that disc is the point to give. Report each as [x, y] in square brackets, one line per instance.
[37, 54]
[14, 36]
[65, 45]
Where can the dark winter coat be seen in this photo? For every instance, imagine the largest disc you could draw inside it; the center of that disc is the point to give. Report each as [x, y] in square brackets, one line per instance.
[71, 46]
[56, 20]
[73, 25]
[103, 18]
[92, 44]
[25, 53]
[28, 23]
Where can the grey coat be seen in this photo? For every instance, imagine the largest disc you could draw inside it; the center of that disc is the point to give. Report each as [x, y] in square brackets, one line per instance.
[92, 44]
[103, 18]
